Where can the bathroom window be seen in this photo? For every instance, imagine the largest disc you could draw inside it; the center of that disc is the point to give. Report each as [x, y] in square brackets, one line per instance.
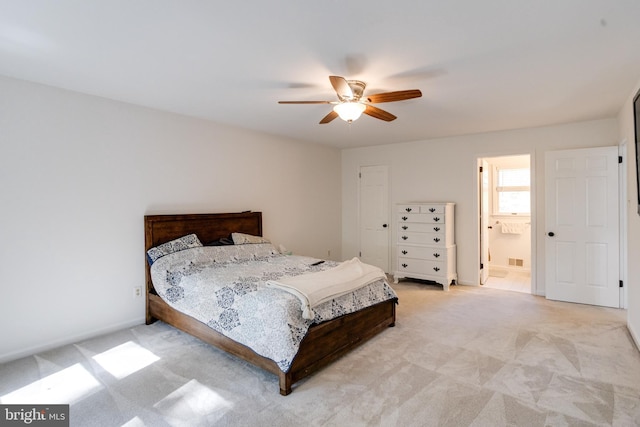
[512, 195]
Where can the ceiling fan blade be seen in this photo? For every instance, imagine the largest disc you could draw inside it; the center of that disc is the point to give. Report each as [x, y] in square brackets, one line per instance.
[326, 119]
[400, 95]
[304, 102]
[341, 87]
[379, 113]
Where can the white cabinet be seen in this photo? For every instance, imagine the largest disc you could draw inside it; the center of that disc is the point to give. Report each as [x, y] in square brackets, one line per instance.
[425, 242]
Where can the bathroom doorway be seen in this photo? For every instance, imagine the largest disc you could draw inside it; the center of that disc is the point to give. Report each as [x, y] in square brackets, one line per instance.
[505, 222]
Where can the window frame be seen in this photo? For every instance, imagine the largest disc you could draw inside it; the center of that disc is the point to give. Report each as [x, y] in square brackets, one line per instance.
[496, 190]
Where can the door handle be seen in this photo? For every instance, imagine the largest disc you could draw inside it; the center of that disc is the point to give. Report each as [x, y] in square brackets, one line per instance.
[551, 234]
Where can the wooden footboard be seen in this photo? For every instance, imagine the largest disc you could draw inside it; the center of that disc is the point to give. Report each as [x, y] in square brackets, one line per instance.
[323, 343]
[329, 340]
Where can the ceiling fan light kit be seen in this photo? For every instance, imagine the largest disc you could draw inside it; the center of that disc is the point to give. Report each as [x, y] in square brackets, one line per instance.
[351, 103]
[349, 111]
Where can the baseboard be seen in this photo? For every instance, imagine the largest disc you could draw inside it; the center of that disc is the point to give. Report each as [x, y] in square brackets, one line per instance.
[7, 357]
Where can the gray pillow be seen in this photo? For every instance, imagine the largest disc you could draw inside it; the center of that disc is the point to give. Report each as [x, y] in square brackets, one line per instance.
[180, 244]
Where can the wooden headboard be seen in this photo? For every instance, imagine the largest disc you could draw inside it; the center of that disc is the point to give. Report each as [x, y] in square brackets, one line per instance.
[160, 229]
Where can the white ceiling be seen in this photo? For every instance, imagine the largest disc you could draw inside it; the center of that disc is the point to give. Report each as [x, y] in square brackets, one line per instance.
[481, 65]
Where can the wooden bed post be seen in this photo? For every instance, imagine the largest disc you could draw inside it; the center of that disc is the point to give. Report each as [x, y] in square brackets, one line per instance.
[285, 383]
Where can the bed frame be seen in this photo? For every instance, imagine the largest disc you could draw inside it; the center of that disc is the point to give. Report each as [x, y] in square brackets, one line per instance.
[324, 342]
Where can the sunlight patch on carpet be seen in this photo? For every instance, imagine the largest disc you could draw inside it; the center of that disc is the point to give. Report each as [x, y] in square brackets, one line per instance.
[66, 386]
[125, 359]
[192, 403]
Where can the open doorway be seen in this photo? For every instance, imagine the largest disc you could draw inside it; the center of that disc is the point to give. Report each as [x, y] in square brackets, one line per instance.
[505, 222]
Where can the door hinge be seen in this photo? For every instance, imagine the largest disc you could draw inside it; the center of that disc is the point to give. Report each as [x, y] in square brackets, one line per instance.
[359, 174]
[621, 283]
[481, 266]
[360, 254]
[480, 169]
[619, 159]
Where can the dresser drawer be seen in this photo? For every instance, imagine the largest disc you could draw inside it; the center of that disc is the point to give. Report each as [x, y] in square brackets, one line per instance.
[421, 252]
[408, 209]
[432, 209]
[429, 208]
[411, 265]
[419, 227]
[421, 217]
[433, 239]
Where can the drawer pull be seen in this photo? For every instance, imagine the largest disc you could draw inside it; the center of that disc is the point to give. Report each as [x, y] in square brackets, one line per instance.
[404, 252]
[436, 268]
[405, 237]
[436, 218]
[408, 209]
[432, 210]
[436, 239]
[404, 218]
[436, 255]
[404, 227]
[436, 228]
[405, 265]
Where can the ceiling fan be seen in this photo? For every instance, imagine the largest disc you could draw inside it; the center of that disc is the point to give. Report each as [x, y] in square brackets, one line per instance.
[351, 102]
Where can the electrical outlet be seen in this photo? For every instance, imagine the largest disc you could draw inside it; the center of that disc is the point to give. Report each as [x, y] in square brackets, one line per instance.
[328, 254]
[137, 291]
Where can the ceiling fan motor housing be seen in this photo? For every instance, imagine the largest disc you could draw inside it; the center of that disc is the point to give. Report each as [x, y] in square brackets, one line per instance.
[357, 87]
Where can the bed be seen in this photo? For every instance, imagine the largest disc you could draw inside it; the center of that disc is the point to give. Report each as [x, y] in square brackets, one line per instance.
[323, 342]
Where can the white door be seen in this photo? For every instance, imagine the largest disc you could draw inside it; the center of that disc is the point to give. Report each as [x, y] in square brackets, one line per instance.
[581, 246]
[484, 220]
[374, 216]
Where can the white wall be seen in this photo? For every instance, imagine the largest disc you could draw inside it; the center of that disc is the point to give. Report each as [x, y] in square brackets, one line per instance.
[445, 170]
[632, 275]
[503, 247]
[77, 175]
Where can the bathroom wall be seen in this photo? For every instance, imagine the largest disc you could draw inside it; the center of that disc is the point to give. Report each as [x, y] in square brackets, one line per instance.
[508, 250]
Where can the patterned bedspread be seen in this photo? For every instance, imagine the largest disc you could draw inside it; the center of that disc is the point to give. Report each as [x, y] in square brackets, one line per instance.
[225, 288]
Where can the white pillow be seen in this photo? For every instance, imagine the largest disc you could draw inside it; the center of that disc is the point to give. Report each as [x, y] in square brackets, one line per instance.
[243, 239]
[235, 253]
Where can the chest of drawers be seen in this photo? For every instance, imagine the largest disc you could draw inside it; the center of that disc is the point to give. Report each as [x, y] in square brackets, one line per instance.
[425, 244]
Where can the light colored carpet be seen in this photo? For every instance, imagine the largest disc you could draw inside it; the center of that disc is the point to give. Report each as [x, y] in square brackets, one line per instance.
[468, 357]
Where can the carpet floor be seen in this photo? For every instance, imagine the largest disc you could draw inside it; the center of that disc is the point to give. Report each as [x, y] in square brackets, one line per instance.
[469, 357]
